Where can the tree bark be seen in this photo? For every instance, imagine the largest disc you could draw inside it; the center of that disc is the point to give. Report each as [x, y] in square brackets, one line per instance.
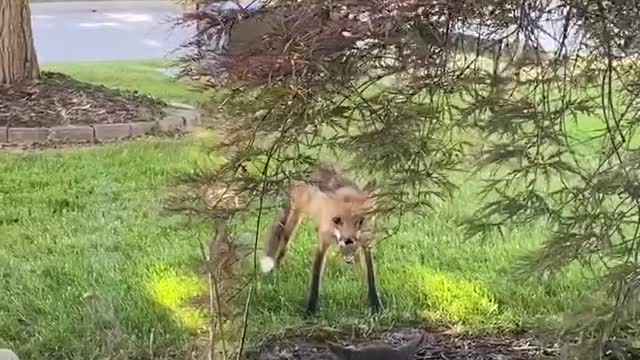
[18, 60]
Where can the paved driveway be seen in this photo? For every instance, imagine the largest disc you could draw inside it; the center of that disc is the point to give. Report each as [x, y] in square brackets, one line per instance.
[115, 30]
[110, 30]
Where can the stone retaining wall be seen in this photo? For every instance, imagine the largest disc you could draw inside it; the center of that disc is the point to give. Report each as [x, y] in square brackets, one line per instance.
[177, 119]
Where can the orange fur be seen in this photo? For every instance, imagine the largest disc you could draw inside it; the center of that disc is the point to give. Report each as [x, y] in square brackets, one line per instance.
[343, 214]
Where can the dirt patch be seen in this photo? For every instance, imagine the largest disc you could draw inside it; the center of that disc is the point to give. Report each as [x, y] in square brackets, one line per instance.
[57, 99]
[434, 346]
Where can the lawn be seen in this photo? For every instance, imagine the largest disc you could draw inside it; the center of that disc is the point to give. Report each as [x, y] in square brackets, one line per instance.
[85, 251]
[142, 76]
[94, 269]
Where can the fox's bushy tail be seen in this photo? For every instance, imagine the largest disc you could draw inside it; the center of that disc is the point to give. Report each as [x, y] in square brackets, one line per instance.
[279, 236]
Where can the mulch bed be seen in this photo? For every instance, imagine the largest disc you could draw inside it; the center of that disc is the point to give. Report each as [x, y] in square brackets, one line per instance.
[434, 346]
[57, 100]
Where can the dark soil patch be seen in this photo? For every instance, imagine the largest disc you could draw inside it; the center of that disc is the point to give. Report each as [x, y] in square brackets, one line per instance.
[434, 346]
[57, 99]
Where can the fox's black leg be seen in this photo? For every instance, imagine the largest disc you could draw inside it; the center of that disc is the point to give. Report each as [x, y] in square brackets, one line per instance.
[372, 289]
[316, 277]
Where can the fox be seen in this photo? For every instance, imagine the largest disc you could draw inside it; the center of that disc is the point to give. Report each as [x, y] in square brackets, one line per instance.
[377, 351]
[344, 217]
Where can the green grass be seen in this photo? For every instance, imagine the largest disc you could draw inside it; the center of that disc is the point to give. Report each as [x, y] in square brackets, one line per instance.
[92, 268]
[142, 76]
[427, 271]
[87, 257]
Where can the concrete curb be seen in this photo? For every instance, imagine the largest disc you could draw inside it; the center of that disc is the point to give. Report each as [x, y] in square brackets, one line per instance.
[178, 118]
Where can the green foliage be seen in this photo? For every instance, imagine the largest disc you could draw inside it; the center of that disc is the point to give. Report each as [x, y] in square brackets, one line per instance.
[552, 134]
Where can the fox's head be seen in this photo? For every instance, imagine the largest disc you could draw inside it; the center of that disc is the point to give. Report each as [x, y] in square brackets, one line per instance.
[350, 219]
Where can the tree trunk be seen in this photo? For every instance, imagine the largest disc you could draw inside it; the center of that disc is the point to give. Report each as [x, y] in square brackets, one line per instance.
[18, 60]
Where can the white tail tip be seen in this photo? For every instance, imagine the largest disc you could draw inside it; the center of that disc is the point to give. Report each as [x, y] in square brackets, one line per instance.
[267, 264]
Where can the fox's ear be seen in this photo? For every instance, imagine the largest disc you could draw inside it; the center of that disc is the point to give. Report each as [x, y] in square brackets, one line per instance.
[319, 191]
[372, 193]
[340, 352]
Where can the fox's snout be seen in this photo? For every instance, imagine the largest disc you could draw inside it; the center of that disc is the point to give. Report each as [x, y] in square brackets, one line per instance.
[347, 247]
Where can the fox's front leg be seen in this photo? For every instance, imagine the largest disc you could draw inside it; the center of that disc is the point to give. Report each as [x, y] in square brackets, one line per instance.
[316, 276]
[372, 289]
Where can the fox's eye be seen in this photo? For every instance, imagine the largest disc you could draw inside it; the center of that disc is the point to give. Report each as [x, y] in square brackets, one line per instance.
[337, 220]
[360, 222]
